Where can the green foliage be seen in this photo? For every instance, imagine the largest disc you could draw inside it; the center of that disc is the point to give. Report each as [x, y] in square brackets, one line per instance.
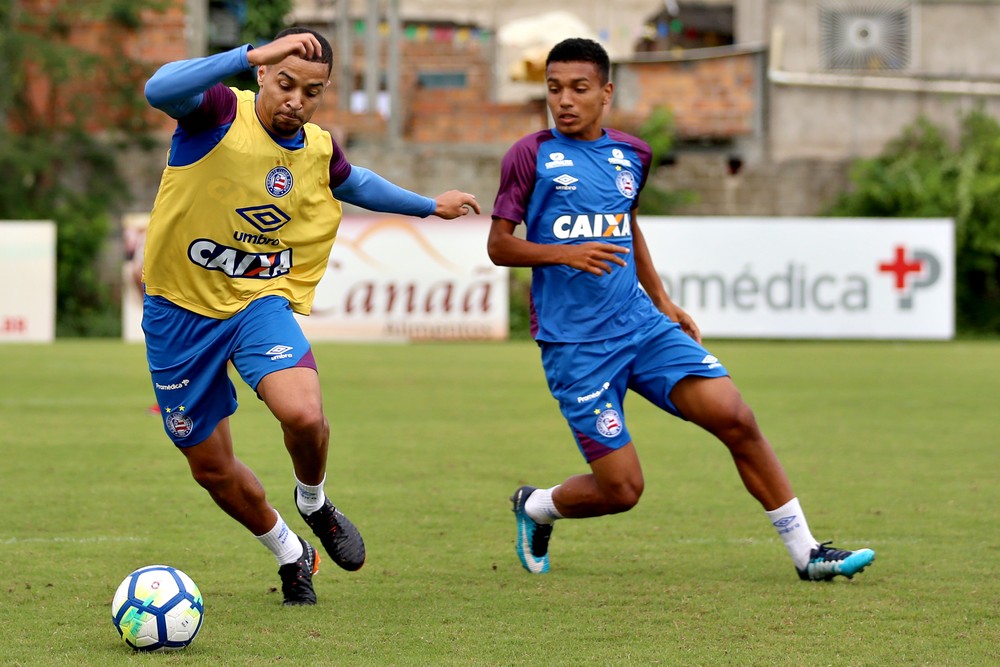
[53, 166]
[658, 132]
[519, 323]
[260, 23]
[921, 174]
[265, 20]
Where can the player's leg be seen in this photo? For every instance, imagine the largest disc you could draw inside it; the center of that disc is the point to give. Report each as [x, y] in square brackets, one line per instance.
[188, 356]
[614, 485]
[715, 404]
[235, 489]
[589, 381]
[275, 359]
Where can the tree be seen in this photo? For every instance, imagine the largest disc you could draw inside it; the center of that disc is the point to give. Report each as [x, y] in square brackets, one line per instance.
[53, 164]
[921, 174]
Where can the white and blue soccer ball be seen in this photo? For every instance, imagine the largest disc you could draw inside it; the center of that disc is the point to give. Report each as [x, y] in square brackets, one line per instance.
[157, 607]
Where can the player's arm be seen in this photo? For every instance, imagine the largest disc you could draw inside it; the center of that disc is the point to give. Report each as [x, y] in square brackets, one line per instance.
[650, 281]
[178, 88]
[366, 189]
[506, 249]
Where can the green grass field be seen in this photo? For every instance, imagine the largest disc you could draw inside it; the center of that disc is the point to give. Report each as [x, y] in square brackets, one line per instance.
[891, 445]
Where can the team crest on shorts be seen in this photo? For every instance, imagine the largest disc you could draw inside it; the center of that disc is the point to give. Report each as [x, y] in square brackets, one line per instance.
[609, 423]
[177, 422]
[626, 184]
[278, 181]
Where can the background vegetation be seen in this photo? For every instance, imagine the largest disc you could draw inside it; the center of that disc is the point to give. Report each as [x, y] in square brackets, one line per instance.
[922, 174]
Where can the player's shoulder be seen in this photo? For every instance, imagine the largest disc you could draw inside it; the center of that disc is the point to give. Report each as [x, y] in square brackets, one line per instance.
[626, 138]
[529, 144]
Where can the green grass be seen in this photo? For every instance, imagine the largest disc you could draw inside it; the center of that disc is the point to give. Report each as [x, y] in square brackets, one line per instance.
[888, 445]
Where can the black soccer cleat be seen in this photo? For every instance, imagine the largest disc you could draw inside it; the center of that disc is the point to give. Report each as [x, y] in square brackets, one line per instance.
[339, 536]
[825, 563]
[296, 578]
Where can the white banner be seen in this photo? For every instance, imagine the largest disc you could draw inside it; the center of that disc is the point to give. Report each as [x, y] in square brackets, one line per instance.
[401, 278]
[809, 277]
[28, 276]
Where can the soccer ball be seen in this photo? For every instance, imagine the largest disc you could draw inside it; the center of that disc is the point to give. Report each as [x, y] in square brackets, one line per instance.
[157, 607]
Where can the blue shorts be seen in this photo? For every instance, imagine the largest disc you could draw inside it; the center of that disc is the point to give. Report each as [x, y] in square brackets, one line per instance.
[590, 379]
[189, 355]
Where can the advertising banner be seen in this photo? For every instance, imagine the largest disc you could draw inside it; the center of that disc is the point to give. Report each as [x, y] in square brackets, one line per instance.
[809, 277]
[401, 278]
[28, 276]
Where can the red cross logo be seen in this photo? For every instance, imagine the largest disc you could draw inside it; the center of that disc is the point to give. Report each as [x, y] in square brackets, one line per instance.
[901, 268]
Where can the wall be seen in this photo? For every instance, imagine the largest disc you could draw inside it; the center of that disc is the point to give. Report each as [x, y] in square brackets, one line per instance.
[819, 116]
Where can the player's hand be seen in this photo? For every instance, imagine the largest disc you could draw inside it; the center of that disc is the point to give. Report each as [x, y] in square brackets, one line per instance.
[304, 45]
[679, 315]
[594, 257]
[454, 204]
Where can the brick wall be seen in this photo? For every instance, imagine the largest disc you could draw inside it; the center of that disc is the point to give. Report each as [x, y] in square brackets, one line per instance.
[159, 39]
[711, 98]
[463, 115]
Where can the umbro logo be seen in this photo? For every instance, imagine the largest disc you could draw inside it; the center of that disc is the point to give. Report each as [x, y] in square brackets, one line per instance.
[566, 182]
[711, 361]
[784, 521]
[278, 352]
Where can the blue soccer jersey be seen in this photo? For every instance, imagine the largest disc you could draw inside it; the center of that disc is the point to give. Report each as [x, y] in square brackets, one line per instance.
[569, 191]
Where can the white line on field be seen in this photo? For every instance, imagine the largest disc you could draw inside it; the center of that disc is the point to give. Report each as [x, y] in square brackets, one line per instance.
[71, 540]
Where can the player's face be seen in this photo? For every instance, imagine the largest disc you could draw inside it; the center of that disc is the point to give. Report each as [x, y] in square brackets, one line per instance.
[577, 98]
[290, 93]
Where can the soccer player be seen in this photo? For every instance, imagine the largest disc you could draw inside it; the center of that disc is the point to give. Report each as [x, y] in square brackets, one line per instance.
[239, 236]
[576, 188]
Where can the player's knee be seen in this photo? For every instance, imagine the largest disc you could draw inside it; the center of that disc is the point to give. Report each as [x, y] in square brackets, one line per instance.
[306, 421]
[211, 475]
[737, 425]
[623, 497]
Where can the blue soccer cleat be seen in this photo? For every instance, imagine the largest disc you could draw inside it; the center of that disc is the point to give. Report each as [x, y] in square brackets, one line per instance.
[826, 563]
[532, 537]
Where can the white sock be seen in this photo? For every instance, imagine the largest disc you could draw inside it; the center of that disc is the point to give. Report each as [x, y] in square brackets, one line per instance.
[282, 542]
[791, 525]
[540, 507]
[309, 498]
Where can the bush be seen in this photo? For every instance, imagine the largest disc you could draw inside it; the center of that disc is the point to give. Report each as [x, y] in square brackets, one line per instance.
[921, 175]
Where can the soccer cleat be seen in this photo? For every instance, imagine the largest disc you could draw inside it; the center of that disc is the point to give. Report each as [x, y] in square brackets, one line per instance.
[297, 577]
[339, 536]
[532, 537]
[826, 563]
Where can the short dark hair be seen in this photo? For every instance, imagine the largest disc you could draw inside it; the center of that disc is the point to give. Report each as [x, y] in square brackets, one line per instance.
[579, 49]
[325, 56]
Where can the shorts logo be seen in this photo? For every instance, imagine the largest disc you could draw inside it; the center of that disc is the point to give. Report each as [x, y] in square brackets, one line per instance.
[278, 352]
[594, 394]
[609, 423]
[178, 423]
[626, 184]
[279, 181]
[173, 385]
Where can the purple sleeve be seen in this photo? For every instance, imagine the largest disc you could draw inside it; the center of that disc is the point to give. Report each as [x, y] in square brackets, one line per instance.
[517, 177]
[218, 107]
[644, 152]
[340, 168]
